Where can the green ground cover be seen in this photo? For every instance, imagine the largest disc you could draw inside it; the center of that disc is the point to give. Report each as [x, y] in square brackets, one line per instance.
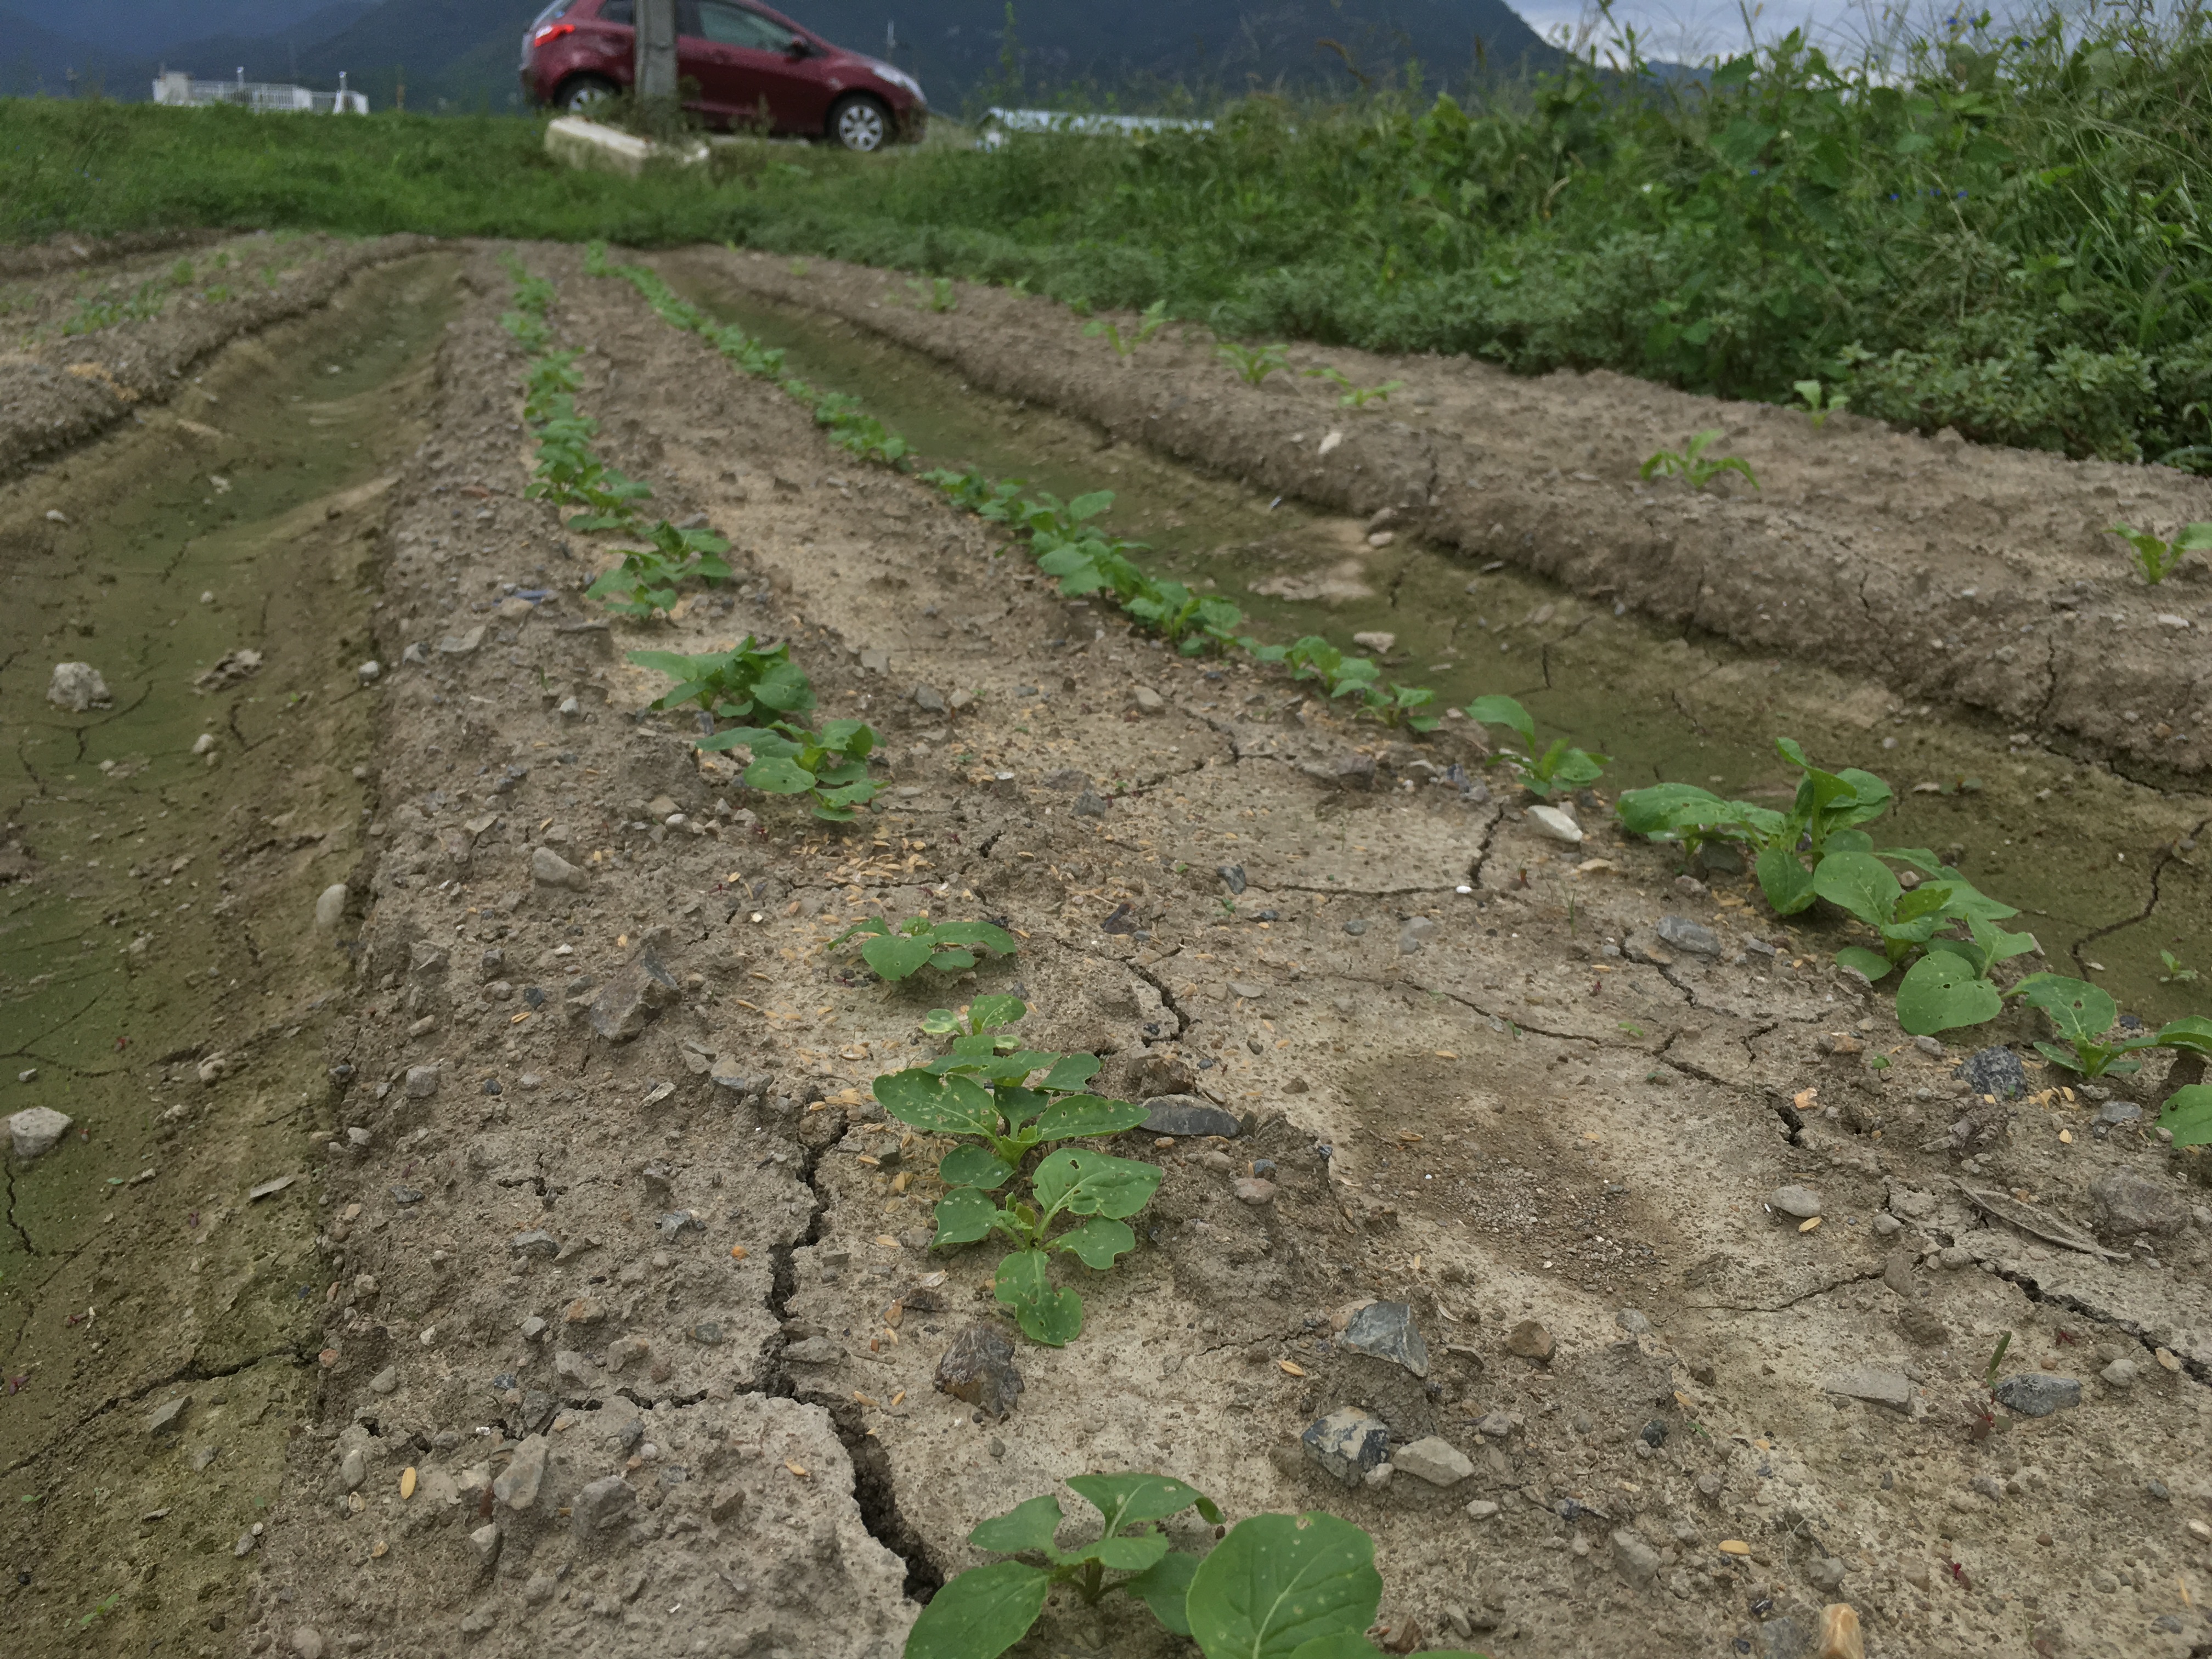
[2002, 232]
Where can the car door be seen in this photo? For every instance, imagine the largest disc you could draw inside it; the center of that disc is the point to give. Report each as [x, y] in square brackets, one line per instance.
[765, 84]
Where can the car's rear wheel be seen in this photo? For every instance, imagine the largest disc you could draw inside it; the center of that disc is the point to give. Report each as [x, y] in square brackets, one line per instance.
[577, 97]
[861, 125]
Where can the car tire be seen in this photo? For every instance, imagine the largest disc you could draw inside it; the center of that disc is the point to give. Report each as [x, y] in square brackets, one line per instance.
[861, 125]
[577, 96]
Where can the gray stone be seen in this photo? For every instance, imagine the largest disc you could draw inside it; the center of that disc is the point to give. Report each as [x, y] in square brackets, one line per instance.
[2132, 1200]
[1386, 1330]
[330, 907]
[1784, 1639]
[244, 1547]
[979, 1368]
[34, 1131]
[1875, 1384]
[169, 1414]
[814, 1351]
[422, 1082]
[1994, 1071]
[1090, 805]
[929, 699]
[1683, 934]
[1188, 1115]
[2118, 1111]
[1415, 932]
[1718, 858]
[1633, 1321]
[518, 1484]
[307, 1643]
[77, 686]
[1897, 1271]
[353, 1469]
[1253, 1190]
[727, 1072]
[1826, 1573]
[484, 1540]
[627, 1002]
[534, 1327]
[1481, 1510]
[1434, 1460]
[1495, 1425]
[602, 1503]
[1148, 700]
[537, 1242]
[2039, 1393]
[1347, 1444]
[549, 869]
[461, 645]
[539, 1590]
[1635, 1560]
[2120, 1373]
[1530, 1340]
[1798, 1203]
[1246, 989]
[386, 1380]
[1556, 823]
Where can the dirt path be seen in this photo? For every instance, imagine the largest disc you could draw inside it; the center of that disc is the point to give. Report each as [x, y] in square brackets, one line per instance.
[1948, 572]
[658, 1350]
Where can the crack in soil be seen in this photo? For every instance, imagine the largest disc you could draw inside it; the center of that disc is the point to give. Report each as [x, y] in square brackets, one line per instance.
[2167, 855]
[1805, 1296]
[188, 1372]
[2028, 1286]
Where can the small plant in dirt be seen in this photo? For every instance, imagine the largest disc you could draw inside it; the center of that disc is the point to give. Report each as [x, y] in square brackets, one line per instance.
[1951, 985]
[1819, 403]
[1359, 678]
[1692, 466]
[1253, 364]
[647, 578]
[936, 295]
[1355, 397]
[1277, 1587]
[2175, 973]
[995, 1098]
[850, 427]
[2155, 557]
[831, 764]
[1559, 767]
[986, 1610]
[733, 684]
[994, 501]
[1155, 318]
[901, 951]
[2082, 1017]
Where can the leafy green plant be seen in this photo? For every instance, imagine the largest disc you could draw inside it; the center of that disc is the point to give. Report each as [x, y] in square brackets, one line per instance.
[1690, 463]
[986, 1610]
[901, 951]
[1151, 322]
[1559, 767]
[2081, 1015]
[1253, 364]
[734, 684]
[1355, 397]
[2155, 557]
[994, 1096]
[936, 295]
[1276, 1587]
[1951, 985]
[831, 764]
[1819, 404]
[2187, 1115]
[2175, 973]
[647, 578]
[106, 1604]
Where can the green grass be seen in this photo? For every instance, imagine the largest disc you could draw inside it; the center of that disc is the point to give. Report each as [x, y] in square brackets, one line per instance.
[2000, 234]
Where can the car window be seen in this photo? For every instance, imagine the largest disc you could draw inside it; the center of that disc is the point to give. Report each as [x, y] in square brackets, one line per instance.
[728, 25]
[615, 11]
[549, 13]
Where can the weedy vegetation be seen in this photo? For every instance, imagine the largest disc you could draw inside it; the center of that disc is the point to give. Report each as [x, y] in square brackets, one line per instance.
[2155, 559]
[1155, 318]
[1355, 397]
[1253, 364]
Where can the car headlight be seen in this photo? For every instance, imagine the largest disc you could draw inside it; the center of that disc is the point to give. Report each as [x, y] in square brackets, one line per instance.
[900, 79]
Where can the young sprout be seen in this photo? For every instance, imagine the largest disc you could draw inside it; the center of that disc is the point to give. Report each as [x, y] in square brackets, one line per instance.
[1690, 463]
[1253, 364]
[2155, 557]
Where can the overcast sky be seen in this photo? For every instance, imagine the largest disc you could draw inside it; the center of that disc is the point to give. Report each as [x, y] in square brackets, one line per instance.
[1687, 30]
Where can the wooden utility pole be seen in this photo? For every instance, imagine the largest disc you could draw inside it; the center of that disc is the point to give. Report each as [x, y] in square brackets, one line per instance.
[655, 68]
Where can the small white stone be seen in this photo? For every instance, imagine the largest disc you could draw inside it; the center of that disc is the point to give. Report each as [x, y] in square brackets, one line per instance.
[1556, 823]
[330, 906]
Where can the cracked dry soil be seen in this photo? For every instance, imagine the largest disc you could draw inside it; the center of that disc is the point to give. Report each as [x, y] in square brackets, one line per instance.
[629, 1342]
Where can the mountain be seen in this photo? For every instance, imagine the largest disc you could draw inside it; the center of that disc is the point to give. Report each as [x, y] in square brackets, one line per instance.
[462, 54]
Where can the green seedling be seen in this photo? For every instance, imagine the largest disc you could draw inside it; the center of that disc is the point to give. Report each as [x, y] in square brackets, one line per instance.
[2175, 973]
[733, 684]
[2081, 1015]
[986, 1018]
[998, 1100]
[1559, 767]
[936, 295]
[647, 578]
[2187, 1115]
[2156, 558]
[1289, 1587]
[1818, 405]
[1691, 465]
[901, 951]
[1151, 322]
[1950, 986]
[986, 1610]
[106, 1604]
[1253, 364]
[1990, 1375]
[831, 764]
[1862, 885]
[1355, 397]
[850, 427]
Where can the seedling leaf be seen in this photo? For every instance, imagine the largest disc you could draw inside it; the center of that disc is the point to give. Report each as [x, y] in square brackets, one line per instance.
[1025, 1284]
[1278, 1582]
[979, 1613]
[2188, 1116]
[963, 1215]
[978, 1167]
[1079, 1117]
[1164, 1586]
[1942, 991]
[1028, 1526]
[1091, 1183]
[1098, 1242]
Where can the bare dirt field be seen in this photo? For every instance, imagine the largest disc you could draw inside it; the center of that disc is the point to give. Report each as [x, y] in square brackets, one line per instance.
[619, 1329]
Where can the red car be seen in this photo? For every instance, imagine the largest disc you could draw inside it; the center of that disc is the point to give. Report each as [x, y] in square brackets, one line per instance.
[754, 69]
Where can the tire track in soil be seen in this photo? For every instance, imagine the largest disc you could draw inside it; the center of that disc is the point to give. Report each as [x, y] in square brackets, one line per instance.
[720, 1247]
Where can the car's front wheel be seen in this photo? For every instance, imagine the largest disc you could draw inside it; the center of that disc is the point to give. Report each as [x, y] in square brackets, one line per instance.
[861, 125]
[577, 97]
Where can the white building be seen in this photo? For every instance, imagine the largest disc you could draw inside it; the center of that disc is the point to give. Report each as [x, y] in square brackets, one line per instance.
[176, 87]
